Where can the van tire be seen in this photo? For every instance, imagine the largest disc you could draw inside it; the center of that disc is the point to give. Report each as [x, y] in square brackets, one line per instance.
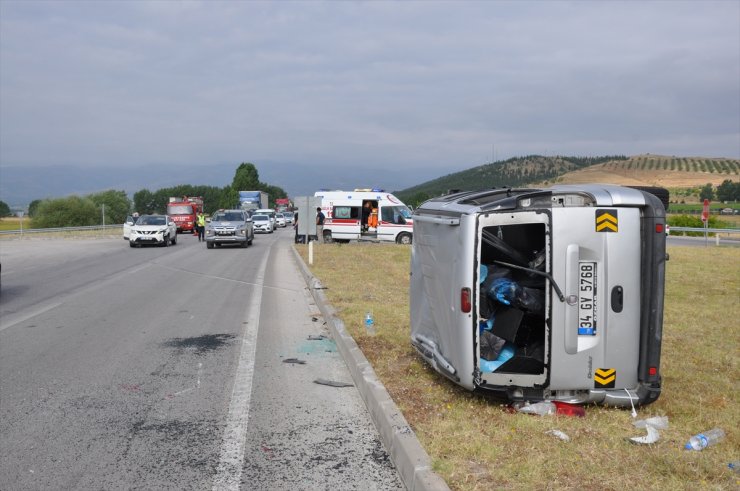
[209, 245]
[661, 193]
[404, 238]
[327, 237]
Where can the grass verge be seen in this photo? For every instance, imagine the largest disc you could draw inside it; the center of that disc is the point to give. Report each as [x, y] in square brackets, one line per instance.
[476, 442]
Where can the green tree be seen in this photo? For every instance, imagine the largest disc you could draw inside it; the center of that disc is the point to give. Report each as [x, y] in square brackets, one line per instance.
[32, 207]
[728, 191]
[4, 209]
[117, 205]
[72, 211]
[229, 198]
[144, 202]
[707, 192]
[246, 178]
[273, 193]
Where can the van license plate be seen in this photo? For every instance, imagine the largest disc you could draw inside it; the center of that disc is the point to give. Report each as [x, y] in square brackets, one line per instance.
[587, 298]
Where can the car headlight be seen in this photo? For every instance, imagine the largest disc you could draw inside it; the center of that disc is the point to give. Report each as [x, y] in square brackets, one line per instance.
[209, 231]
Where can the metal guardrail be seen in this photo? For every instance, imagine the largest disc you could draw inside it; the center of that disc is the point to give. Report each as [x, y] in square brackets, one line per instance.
[708, 230]
[61, 229]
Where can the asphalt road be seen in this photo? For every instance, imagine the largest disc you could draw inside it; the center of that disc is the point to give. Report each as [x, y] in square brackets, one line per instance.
[680, 240]
[168, 368]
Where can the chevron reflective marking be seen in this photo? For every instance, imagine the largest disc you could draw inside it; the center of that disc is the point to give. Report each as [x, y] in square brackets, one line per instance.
[607, 221]
[605, 378]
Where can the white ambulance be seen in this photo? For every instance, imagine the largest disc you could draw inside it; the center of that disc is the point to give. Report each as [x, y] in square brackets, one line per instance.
[365, 214]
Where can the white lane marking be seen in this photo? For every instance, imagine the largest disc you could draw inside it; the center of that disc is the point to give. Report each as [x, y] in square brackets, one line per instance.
[15, 320]
[229, 472]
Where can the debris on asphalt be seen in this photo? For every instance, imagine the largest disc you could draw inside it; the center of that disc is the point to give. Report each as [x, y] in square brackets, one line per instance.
[332, 383]
[294, 360]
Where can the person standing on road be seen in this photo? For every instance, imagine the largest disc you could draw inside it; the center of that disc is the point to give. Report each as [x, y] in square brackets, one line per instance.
[201, 226]
[320, 224]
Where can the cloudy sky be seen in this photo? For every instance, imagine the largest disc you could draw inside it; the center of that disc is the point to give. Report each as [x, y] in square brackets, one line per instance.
[431, 87]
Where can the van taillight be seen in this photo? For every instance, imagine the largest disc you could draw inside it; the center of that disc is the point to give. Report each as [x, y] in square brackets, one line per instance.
[658, 228]
[465, 300]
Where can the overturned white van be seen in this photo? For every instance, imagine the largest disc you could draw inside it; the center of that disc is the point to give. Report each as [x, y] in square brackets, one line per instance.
[542, 294]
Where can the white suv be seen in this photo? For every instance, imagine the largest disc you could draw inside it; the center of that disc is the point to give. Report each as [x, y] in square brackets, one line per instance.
[153, 229]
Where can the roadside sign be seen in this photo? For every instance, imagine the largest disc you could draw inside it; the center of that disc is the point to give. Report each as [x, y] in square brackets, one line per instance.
[705, 211]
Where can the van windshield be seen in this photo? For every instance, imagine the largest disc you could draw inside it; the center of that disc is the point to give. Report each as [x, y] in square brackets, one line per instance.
[404, 211]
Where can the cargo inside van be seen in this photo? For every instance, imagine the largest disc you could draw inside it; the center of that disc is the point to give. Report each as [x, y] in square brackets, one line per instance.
[512, 299]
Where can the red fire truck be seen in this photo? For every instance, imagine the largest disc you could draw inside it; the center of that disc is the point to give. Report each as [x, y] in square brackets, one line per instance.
[184, 210]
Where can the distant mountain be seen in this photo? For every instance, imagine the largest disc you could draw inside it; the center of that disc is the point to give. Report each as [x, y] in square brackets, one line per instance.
[19, 185]
[537, 170]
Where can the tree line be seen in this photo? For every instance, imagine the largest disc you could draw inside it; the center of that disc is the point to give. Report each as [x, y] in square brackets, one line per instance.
[113, 206]
[725, 192]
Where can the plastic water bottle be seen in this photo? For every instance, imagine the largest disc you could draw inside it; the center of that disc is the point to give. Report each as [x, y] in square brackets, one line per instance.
[370, 324]
[706, 439]
[542, 408]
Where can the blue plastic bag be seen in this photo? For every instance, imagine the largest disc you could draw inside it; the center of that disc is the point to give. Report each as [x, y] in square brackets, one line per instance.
[507, 353]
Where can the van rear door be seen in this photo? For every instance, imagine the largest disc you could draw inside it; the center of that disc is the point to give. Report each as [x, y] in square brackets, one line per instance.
[596, 256]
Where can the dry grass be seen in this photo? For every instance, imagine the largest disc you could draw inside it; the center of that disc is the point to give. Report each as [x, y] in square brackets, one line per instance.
[476, 442]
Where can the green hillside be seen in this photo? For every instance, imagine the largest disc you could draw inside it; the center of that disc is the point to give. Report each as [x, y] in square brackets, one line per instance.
[514, 172]
[651, 170]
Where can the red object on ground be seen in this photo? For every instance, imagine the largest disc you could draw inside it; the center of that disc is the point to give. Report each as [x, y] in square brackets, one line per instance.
[565, 409]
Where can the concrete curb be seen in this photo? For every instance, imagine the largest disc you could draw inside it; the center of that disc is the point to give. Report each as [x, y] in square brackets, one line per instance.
[409, 457]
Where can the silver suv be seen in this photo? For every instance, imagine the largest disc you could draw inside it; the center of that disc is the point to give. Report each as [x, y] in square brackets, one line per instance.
[229, 227]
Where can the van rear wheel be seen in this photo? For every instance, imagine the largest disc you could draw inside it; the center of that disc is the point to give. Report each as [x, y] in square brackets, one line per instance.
[327, 237]
[403, 238]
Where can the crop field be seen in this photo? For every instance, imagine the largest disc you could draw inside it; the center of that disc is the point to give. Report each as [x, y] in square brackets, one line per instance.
[682, 176]
[476, 442]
